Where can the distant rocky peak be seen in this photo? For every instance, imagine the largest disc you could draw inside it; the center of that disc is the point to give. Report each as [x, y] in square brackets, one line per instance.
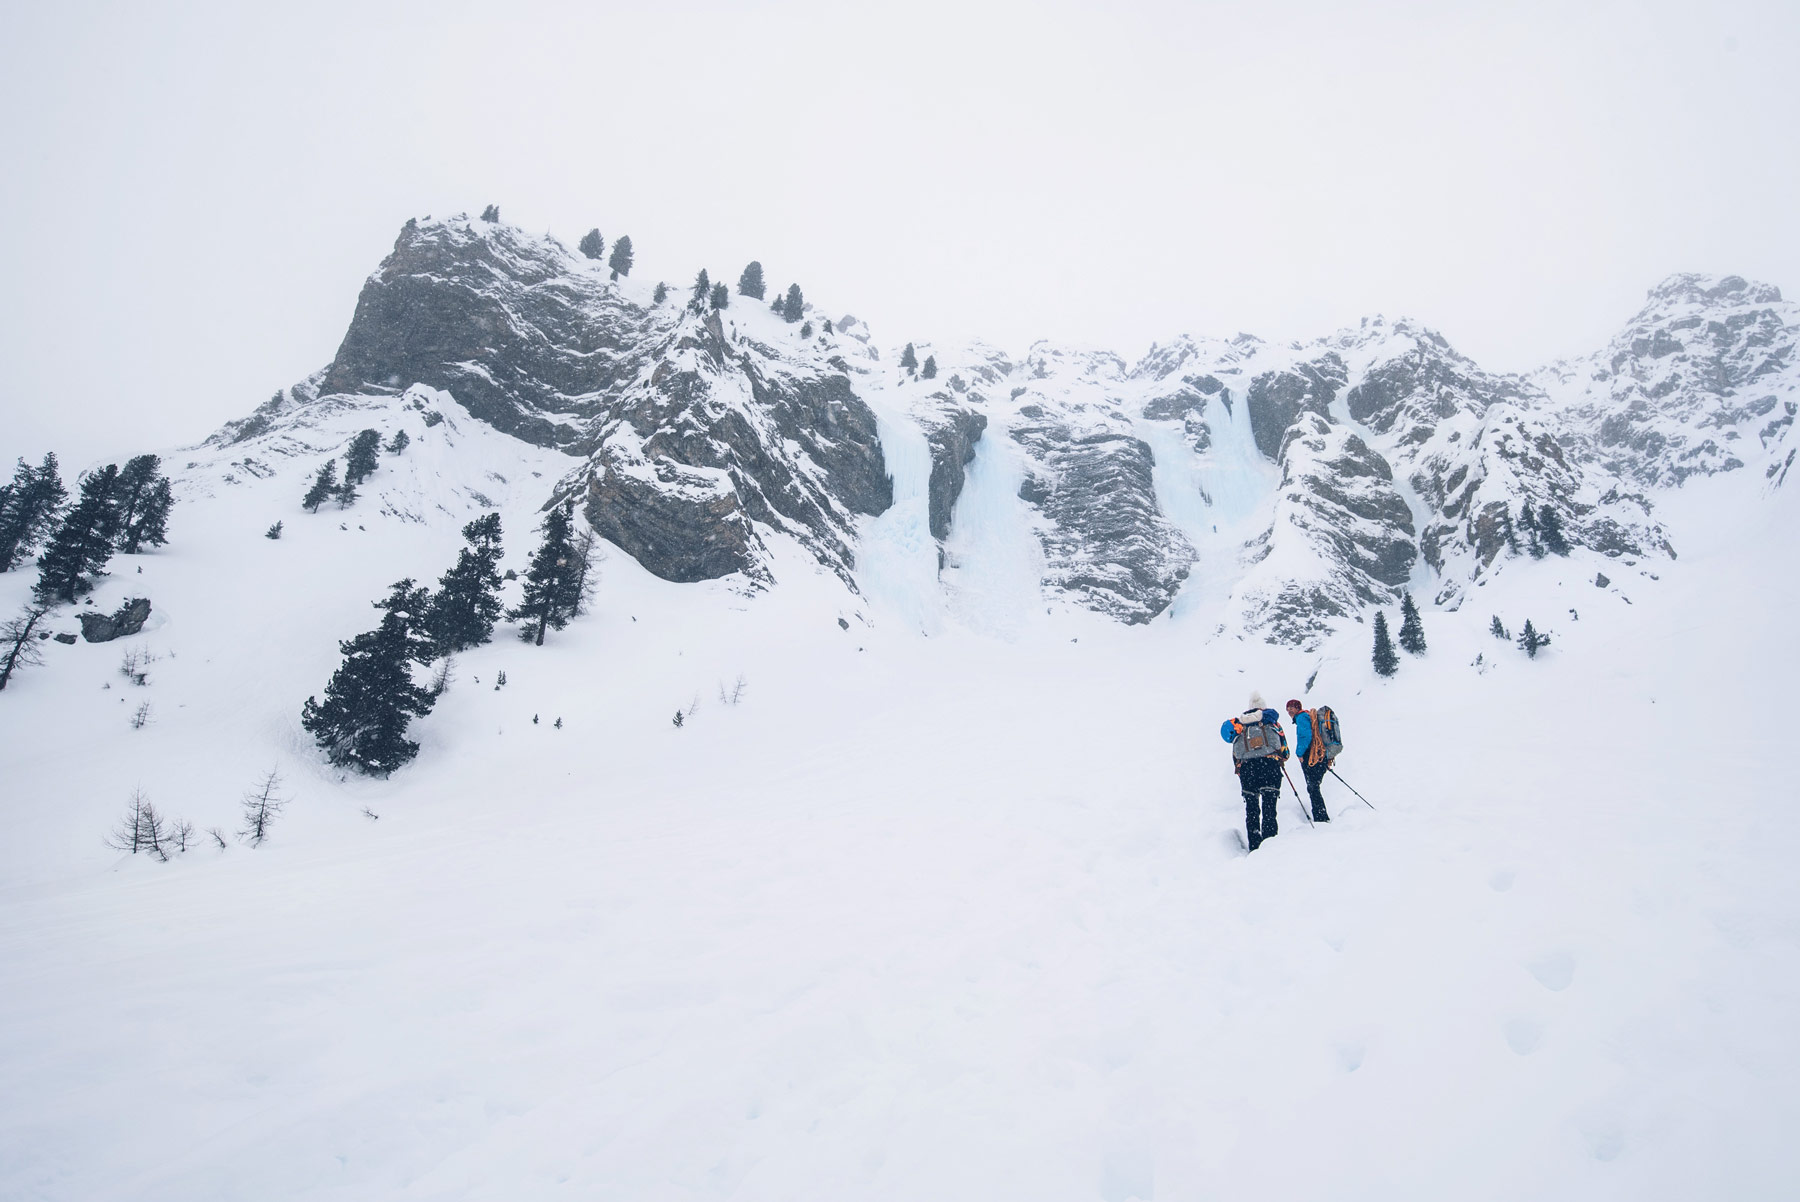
[1694, 288]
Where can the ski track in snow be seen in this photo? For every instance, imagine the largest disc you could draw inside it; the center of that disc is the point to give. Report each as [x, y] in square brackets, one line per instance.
[947, 917]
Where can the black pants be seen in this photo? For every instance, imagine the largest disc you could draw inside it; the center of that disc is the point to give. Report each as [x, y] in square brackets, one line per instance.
[1259, 816]
[1315, 773]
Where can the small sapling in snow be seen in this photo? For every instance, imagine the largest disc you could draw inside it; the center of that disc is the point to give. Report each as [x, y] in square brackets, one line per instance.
[261, 805]
[273, 531]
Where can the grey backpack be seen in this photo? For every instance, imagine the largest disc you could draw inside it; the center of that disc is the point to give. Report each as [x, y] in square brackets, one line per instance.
[1259, 736]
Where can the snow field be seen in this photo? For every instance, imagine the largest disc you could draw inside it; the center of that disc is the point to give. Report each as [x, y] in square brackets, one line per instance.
[956, 917]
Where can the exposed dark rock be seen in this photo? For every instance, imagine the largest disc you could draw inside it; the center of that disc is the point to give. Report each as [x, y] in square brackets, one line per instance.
[1105, 540]
[952, 434]
[1276, 399]
[66, 636]
[128, 619]
[503, 321]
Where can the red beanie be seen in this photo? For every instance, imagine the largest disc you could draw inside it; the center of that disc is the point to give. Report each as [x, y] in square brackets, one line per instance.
[1294, 705]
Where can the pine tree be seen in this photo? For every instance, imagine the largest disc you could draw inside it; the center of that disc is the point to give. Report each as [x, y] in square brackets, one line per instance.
[929, 371]
[398, 443]
[909, 360]
[793, 307]
[828, 328]
[1550, 525]
[778, 306]
[372, 696]
[145, 498]
[806, 330]
[324, 486]
[467, 604]
[592, 244]
[702, 290]
[621, 258]
[83, 542]
[721, 296]
[661, 294]
[751, 282]
[273, 531]
[28, 510]
[359, 462]
[1506, 530]
[491, 213]
[1385, 660]
[346, 495]
[1497, 628]
[1530, 640]
[1534, 541]
[551, 582]
[1412, 631]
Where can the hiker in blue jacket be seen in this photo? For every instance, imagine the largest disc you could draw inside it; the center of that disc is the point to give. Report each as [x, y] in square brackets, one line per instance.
[1313, 761]
[1258, 750]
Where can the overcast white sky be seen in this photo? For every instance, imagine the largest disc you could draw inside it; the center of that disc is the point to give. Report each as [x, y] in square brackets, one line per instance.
[193, 193]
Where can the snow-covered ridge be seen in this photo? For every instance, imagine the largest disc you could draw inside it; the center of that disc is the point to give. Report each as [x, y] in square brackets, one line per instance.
[1282, 489]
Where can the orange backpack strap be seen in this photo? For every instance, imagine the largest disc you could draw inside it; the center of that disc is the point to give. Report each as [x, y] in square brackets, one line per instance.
[1315, 750]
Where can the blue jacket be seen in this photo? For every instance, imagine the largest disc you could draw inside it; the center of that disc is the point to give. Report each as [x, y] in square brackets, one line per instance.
[1302, 733]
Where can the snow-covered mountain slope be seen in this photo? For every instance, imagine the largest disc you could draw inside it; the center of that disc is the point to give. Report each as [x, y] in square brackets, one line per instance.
[1704, 379]
[1283, 491]
[952, 917]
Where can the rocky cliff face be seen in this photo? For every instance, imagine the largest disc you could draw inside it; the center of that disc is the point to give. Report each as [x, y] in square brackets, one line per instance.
[1091, 479]
[1703, 380]
[701, 441]
[1300, 483]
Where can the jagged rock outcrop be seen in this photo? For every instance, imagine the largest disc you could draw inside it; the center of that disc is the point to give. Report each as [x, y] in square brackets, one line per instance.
[952, 438]
[1704, 379]
[702, 440]
[1278, 398]
[128, 619]
[1317, 478]
[510, 324]
[1105, 537]
[725, 436]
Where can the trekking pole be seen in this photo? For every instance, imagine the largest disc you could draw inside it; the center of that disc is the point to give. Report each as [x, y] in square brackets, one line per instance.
[1352, 788]
[1304, 812]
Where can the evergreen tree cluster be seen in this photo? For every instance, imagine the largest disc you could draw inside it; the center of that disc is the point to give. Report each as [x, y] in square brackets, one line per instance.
[1544, 531]
[28, 508]
[360, 462]
[117, 509]
[1530, 639]
[592, 245]
[372, 697]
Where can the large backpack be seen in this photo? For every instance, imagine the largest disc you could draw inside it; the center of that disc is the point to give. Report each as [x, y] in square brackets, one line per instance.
[1259, 735]
[1327, 732]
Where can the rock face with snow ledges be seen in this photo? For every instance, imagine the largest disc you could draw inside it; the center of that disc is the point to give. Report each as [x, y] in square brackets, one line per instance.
[1297, 485]
[1091, 479]
[1704, 379]
[704, 434]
